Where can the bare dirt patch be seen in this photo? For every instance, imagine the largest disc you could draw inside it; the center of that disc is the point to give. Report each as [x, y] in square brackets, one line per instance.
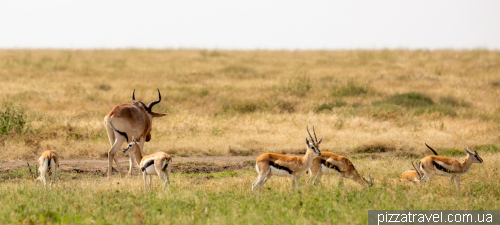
[99, 167]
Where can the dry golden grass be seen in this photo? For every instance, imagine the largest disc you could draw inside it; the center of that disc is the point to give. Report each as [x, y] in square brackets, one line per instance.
[231, 102]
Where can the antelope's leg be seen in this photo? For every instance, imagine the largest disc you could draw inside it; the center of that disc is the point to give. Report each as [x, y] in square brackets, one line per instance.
[131, 164]
[112, 155]
[150, 181]
[145, 181]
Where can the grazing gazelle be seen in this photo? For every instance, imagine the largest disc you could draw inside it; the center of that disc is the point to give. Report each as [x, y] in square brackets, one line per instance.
[441, 166]
[413, 175]
[48, 163]
[133, 119]
[157, 163]
[293, 167]
[331, 163]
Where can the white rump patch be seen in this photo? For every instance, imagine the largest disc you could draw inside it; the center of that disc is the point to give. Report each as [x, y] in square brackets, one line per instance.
[278, 172]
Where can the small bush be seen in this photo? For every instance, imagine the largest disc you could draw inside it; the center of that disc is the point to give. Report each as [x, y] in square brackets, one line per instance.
[375, 148]
[410, 100]
[244, 107]
[452, 101]
[238, 70]
[330, 106]
[350, 89]
[13, 118]
[104, 87]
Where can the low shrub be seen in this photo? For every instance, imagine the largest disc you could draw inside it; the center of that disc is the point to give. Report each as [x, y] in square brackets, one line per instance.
[13, 118]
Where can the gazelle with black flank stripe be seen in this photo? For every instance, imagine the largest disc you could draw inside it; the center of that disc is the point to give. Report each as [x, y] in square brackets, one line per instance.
[48, 163]
[330, 163]
[293, 167]
[441, 166]
[157, 163]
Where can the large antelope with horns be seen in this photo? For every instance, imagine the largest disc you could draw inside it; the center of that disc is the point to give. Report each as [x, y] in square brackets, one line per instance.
[48, 163]
[293, 167]
[132, 119]
[442, 166]
[414, 175]
[331, 163]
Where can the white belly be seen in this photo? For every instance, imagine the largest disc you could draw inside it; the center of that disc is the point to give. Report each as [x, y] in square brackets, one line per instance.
[151, 170]
[442, 173]
[326, 170]
[280, 173]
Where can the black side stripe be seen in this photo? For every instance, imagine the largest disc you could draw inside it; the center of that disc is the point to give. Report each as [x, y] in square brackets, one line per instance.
[330, 165]
[165, 166]
[277, 166]
[439, 167]
[147, 164]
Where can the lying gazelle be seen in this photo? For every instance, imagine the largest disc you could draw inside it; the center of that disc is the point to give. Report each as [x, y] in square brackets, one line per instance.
[293, 167]
[154, 164]
[48, 163]
[413, 175]
[331, 163]
[438, 165]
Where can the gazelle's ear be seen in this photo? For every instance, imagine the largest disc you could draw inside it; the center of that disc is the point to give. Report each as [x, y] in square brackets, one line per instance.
[307, 142]
[468, 152]
[319, 142]
[133, 139]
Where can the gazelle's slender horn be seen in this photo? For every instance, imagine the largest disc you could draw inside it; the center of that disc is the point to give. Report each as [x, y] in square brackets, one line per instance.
[145, 107]
[155, 102]
[309, 134]
[314, 132]
[418, 173]
[133, 96]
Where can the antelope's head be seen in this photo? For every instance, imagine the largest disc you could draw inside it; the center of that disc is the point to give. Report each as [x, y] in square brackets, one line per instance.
[313, 145]
[149, 112]
[473, 155]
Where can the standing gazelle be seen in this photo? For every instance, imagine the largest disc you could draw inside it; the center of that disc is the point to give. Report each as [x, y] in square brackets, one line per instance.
[293, 167]
[438, 165]
[48, 163]
[331, 163]
[157, 163]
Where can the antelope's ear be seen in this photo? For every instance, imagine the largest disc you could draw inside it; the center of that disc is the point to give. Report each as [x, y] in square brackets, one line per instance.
[468, 152]
[320, 141]
[154, 114]
[307, 142]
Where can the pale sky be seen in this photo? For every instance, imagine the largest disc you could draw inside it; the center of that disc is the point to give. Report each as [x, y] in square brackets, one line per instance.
[255, 24]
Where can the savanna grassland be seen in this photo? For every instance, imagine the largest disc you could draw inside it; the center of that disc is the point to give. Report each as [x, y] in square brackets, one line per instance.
[377, 107]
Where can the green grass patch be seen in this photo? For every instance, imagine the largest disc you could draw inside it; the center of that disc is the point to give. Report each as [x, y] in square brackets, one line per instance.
[410, 100]
[330, 106]
[13, 118]
[351, 88]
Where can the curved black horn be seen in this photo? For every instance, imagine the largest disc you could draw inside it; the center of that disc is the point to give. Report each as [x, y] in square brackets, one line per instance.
[314, 132]
[309, 134]
[145, 107]
[133, 96]
[155, 102]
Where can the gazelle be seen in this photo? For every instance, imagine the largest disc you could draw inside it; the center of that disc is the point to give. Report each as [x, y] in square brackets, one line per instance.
[413, 175]
[293, 167]
[331, 163]
[441, 166]
[133, 119]
[48, 163]
[157, 163]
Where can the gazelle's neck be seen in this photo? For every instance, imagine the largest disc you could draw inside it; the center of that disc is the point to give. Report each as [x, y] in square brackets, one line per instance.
[308, 157]
[466, 164]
